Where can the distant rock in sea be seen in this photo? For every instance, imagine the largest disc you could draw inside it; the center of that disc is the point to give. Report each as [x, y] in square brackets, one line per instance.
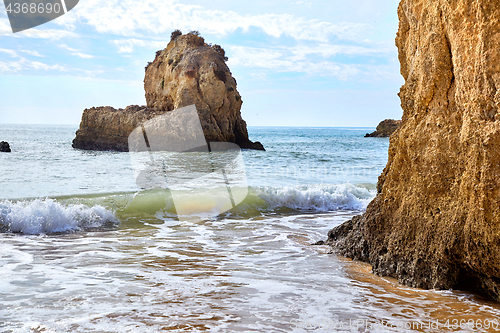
[188, 71]
[4, 147]
[384, 129]
[435, 222]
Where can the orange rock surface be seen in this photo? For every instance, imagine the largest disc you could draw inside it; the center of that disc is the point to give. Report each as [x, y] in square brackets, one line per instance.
[188, 71]
[435, 222]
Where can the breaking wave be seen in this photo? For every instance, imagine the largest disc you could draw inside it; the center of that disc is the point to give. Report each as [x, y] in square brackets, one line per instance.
[44, 216]
[101, 211]
[318, 198]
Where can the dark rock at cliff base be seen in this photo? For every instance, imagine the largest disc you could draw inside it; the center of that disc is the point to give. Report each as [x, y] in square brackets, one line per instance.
[188, 71]
[4, 147]
[385, 129]
[435, 222]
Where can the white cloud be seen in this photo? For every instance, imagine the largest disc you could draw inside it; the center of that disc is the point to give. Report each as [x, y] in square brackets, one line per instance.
[135, 18]
[12, 53]
[148, 24]
[25, 64]
[54, 34]
[75, 52]
[128, 45]
[10, 66]
[304, 59]
[36, 33]
[308, 3]
[4, 26]
[83, 55]
[330, 50]
[33, 53]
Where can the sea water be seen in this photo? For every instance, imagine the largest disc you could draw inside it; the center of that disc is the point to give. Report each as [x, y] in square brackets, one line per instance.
[84, 249]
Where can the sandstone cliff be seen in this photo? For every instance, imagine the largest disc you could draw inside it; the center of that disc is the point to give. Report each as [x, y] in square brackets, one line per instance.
[384, 129]
[435, 222]
[188, 71]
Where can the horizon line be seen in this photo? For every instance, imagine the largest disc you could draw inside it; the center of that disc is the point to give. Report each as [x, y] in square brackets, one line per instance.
[284, 126]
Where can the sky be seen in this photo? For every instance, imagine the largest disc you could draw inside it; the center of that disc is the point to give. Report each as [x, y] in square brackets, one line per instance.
[323, 63]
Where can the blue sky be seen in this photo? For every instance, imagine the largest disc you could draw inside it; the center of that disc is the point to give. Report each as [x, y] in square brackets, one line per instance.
[297, 63]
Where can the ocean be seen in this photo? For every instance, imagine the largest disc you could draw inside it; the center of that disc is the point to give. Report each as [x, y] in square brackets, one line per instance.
[83, 248]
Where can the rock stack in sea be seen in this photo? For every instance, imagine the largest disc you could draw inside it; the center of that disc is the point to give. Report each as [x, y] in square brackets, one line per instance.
[4, 147]
[435, 222]
[384, 129]
[188, 71]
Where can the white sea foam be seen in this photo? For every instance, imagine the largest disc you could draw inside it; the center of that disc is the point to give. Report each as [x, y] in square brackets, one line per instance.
[49, 216]
[318, 197]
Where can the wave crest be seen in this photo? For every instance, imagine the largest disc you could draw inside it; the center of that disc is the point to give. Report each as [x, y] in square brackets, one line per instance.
[318, 197]
[42, 216]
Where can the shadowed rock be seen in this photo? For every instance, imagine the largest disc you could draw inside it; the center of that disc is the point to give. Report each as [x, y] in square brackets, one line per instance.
[4, 147]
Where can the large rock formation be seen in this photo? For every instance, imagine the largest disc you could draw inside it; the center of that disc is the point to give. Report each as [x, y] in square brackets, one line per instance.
[435, 222]
[188, 71]
[384, 129]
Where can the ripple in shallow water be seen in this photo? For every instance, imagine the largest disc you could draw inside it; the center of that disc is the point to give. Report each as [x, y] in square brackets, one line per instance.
[221, 275]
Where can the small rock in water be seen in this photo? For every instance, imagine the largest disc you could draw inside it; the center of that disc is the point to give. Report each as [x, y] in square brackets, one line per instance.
[385, 129]
[4, 147]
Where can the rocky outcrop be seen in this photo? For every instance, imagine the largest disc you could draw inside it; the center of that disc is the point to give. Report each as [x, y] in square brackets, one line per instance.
[384, 129]
[188, 71]
[107, 128]
[435, 222]
[4, 147]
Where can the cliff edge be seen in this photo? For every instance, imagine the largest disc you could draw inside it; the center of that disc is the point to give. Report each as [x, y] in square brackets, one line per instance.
[435, 222]
[188, 71]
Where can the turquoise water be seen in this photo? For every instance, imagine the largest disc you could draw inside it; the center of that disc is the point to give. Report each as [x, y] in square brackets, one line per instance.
[84, 249]
[44, 164]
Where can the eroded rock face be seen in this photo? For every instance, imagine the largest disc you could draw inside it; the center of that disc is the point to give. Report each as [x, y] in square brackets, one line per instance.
[107, 128]
[188, 71]
[384, 129]
[435, 222]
